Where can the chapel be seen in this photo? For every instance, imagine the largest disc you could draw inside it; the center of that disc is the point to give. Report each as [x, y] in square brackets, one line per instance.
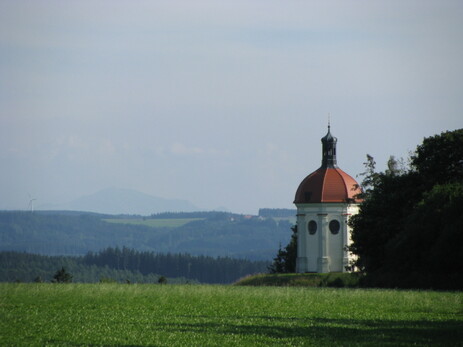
[325, 200]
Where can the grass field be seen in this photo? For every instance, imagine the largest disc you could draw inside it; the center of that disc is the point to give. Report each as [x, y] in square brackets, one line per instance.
[154, 222]
[207, 315]
[302, 280]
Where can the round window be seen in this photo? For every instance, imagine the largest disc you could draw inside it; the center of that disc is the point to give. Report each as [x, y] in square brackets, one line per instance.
[334, 226]
[312, 227]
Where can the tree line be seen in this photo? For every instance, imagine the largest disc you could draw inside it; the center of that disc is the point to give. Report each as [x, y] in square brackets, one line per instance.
[409, 231]
[124, 264]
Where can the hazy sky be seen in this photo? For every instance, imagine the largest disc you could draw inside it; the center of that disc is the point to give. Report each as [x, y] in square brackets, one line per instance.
[222, 103]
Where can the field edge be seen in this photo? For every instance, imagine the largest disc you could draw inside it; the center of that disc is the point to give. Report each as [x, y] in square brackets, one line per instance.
[336, 280]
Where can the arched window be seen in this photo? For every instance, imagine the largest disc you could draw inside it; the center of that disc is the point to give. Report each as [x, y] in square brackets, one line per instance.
[312, 227]
[334, 226]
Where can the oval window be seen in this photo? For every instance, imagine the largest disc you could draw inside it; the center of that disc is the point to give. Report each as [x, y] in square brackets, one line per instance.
[335, 226]
[312, 227]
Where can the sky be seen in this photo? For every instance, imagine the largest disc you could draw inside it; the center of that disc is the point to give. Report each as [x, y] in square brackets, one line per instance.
[221, 103]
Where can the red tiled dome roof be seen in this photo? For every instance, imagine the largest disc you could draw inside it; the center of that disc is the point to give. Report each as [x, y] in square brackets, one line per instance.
[327, 184]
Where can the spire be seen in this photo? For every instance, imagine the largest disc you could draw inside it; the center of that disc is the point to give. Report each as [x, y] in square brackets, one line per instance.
[329, 149]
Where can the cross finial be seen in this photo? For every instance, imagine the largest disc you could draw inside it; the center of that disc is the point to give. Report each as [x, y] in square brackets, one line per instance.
[329, 125]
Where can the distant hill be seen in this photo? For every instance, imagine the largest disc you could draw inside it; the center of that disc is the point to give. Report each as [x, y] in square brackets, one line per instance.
[278, 212]
[215, 234]
[123, 201]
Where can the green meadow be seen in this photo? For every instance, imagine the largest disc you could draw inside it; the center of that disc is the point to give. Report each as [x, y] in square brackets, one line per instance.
[153, 222]
[207, 315]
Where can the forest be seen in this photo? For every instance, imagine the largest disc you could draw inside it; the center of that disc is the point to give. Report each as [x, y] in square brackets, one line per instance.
[215, 234]
[127, 266]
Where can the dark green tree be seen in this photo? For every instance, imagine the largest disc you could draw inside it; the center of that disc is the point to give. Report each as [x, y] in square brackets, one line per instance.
[429, 254]
[285, 261]
[62, 276]
[439, 159]
[370, 177]
[408, 231]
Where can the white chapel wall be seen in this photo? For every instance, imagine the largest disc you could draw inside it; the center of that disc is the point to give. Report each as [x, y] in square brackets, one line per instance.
[313, 255]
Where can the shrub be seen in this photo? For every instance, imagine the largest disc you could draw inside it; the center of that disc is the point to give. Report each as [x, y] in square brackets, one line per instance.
[62, 276]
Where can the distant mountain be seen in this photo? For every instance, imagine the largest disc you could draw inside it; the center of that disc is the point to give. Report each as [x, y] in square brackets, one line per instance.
[124, 201]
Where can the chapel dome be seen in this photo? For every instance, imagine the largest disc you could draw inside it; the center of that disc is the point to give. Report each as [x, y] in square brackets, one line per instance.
[329, 183]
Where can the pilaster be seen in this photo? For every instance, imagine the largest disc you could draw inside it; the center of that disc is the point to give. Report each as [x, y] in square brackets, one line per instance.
[323, 261]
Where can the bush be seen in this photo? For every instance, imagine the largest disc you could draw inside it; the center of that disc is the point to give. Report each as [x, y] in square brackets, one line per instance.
[62, 276]
[336, 283]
